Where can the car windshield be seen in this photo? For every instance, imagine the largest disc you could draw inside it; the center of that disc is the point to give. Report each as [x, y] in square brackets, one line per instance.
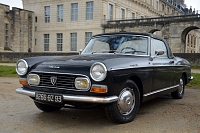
[124, 44]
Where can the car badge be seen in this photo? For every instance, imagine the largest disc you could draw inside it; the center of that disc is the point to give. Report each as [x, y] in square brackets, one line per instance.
[53, 80]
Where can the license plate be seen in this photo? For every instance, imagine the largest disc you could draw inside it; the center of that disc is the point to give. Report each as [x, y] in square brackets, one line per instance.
[49, 98]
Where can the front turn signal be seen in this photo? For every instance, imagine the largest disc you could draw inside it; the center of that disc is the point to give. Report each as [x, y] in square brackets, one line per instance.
[23, 81]
[99, 89]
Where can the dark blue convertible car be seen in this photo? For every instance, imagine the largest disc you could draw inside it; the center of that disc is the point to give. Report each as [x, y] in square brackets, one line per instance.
[116, 71]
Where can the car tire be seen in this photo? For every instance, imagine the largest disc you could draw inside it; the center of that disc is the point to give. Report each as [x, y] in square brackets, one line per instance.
[46, 107]
[178, 94]
[126, 108]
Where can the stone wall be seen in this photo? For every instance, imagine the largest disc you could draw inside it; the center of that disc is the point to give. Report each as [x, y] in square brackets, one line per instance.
[193, 58]
[15, 56]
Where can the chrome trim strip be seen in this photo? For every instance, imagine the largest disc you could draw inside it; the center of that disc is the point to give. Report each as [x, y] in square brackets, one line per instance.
[93, 99]
[157, 91]
[150, 66]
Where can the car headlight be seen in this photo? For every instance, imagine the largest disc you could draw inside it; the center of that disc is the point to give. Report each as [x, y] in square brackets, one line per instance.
[21, 67]
[82, 83]
[98, 71]
[33, 79]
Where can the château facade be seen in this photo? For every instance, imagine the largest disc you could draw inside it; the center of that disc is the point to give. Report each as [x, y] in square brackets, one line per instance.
[67, 25]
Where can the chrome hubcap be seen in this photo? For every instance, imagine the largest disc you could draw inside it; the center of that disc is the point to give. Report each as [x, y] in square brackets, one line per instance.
[180, 88]
[126, 101]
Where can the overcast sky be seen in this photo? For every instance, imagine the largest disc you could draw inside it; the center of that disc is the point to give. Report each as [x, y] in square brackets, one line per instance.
[18, 3]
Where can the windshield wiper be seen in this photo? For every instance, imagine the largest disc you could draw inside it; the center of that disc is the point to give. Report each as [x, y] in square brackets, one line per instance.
[133, 51]
[109, 51]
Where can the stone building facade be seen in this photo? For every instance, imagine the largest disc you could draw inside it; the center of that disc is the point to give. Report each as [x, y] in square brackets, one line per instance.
[67, 25]
[16, 28]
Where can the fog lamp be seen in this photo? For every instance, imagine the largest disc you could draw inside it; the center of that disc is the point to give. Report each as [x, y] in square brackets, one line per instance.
[33, 79]
[82, 83]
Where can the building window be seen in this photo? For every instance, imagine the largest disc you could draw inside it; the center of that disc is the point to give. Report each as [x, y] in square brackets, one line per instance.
[35, 41]
[133, 15]
[110, 12]
[163, 7]
[88, 36]
[151, 3]
[122, 14]
[6, 35]
[74, 12]
[157, 5]
[59, 41]
[73, 41]
[47, 14]
[36, 19]
[89, 10]
[46, 42]
[60, 13]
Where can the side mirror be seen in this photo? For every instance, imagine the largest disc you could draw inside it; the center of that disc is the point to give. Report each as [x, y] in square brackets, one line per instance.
[157, 52]
[80, 51]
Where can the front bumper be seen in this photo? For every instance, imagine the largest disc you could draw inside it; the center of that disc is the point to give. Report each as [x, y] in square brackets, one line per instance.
[76, 98]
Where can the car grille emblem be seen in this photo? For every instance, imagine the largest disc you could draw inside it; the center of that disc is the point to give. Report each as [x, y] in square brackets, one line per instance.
[53, 80]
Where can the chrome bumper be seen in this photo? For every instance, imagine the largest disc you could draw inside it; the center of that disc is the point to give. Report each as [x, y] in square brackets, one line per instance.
[77, 98]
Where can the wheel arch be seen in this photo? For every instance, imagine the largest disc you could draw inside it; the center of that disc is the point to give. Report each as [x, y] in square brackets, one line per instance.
[138, 82]
[185, 77]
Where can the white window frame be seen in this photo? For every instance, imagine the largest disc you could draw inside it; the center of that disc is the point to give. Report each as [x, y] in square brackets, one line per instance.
[133, 15]
[74, 12]
[110, 12]
[47, 14]
[89, 10]
[59, 41]
[73, 41]
[46, 42]
[122, 13]
[60, 13]
[88, 36]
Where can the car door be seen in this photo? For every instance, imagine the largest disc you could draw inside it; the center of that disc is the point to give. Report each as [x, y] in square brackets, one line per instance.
[163, 66]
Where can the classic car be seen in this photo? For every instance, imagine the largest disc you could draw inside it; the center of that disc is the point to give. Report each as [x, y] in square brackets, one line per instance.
[115, 71]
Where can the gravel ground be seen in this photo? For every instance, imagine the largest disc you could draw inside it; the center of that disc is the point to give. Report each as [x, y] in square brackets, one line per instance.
[160, 115]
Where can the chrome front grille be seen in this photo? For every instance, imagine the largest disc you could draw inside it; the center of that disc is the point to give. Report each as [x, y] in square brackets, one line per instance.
[64, 81]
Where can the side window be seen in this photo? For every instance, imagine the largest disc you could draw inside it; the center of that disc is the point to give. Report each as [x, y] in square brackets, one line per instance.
[158, 45]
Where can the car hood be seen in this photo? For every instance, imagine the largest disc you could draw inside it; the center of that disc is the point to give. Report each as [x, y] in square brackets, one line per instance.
[80, 62]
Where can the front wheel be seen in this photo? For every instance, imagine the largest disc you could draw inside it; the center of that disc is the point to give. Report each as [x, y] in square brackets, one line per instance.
[126, 108]
[178, 94]
[46, 107]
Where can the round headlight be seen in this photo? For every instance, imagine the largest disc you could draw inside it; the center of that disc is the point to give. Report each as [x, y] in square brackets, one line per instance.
[98, 71]
[21, 67]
